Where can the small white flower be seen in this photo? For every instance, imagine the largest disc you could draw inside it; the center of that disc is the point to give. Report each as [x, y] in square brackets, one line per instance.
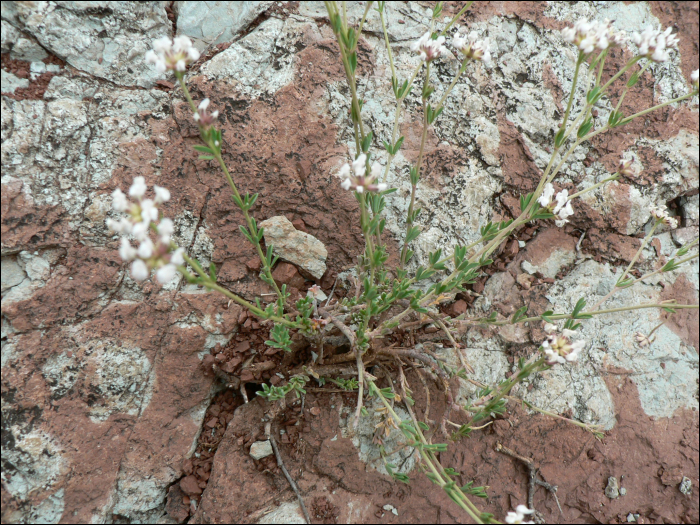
[149, 211]
[165, 274]
[549, 328]
[694, 78]
[162, 194]
[166, 227]
[358, 165]
[119, 200]
[576, 348]
[177, 258]
[359, 189]
[382, 186]
[172, 54]
[126, 251]
[519, 515]
[145, 250]
[546, 198]
[138, 187]
[660, 213]
[140, 231]
[139, 270]
[204, 104]
[655, 44]
[346, 183]
[559, 348]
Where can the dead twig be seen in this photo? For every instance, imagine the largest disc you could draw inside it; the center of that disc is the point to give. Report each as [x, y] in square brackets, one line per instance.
[280, 464]
[532, 478]
[455, 345]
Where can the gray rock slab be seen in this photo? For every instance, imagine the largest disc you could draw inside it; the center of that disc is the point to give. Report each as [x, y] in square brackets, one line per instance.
[297, 247]
[216, 22]
[106, 39]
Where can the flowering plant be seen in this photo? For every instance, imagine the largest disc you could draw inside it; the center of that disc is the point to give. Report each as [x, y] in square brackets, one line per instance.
[387, 300]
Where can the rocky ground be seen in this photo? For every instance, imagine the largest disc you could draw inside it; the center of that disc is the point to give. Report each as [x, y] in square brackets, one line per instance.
[111, 411]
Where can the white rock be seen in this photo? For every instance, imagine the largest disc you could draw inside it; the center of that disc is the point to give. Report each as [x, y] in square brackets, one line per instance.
[261, 449]
[297, 247]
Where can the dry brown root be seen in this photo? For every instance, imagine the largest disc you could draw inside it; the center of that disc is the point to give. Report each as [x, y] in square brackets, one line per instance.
[280, 464]
[532, 481]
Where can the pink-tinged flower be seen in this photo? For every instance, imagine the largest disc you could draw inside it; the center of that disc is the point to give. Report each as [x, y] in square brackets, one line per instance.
[628, 168]
[660, 213]
[174, 54]
[139, 270]
[519, 515]
[138, 187]
[203, 118]
[355, 179]
[429, 48]
[642, 340]
[166, 273]
[655, 44]
[473, 48]
[558, 348]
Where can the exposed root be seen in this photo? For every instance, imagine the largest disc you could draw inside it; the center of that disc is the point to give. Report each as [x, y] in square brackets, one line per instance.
[280, 464]
[532, 480]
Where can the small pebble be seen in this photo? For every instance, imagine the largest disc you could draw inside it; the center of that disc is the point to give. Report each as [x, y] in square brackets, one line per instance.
[612, 491]
[261, 449]
[623, 491]
[686, 486]
[630, 518]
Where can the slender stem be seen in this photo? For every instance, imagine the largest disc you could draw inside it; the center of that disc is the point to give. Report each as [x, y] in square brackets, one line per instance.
[362, 23]
[248, 219]
[207, 282]
[573, 90]
[595, 186]
[639, 251]
[388, 47]
[456, 17]
[658, 106]
[596, 312]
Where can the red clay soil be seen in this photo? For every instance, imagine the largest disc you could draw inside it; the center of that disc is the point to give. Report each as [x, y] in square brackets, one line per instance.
[649, 458]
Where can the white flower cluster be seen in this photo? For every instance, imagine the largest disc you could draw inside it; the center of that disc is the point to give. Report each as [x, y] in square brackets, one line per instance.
[472, 47]
[558, 347]
[660, 213]
[143, 214]
[562, 210]
[173, 54]
[203, 118]
[429, 49]
[354, 177]
[588, 36]
[655, 44]
[519, 515]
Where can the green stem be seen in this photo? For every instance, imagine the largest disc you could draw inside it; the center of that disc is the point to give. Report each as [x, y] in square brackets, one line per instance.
[248, 219]
[456, 17]
[595, 186]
